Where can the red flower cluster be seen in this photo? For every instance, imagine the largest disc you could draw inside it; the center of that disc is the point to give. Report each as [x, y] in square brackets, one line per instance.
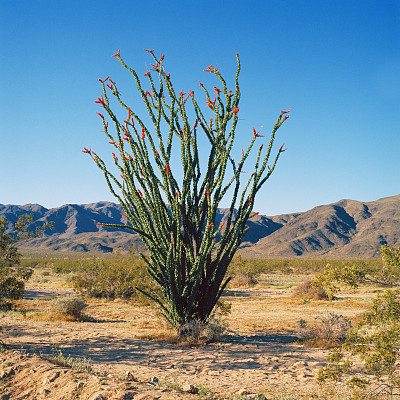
[116, 54]
[256, 134]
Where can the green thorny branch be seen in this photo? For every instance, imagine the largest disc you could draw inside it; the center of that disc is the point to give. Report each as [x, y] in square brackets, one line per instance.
[186, 260]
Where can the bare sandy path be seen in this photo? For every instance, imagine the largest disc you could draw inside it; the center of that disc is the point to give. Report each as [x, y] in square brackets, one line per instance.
[241, 361]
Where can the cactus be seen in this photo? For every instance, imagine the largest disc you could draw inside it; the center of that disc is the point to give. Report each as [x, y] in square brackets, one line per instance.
[188, 254]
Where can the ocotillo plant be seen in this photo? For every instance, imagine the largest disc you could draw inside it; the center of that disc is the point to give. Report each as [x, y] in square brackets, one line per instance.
[177, 222]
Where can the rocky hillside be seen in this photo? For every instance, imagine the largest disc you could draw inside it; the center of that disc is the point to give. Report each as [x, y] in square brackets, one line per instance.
[346, 229]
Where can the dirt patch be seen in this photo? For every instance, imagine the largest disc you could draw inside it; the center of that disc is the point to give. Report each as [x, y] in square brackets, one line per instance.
[30, 377]
[243, 362]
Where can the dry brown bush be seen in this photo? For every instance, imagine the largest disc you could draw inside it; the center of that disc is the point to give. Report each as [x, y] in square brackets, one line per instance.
[329, 330]
[307, 291]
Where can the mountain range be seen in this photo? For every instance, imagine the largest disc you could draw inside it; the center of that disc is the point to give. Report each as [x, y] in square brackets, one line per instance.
[345, 229]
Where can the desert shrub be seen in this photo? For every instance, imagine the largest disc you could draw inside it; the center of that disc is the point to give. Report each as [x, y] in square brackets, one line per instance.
[197, 332]
[12, 274]
[69, 306]
[327, 331]
[376, 338]
[118, 277]
[245, 272]
[77, 363]
[307, 291]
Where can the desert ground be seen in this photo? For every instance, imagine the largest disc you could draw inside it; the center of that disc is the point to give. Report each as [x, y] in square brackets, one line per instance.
[131, 353]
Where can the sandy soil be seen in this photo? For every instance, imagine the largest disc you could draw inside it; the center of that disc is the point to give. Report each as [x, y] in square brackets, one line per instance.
[242, 363]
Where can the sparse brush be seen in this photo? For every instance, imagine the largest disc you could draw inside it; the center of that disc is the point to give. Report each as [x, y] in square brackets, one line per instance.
[77, 363]
[117, 277]
[329, 330]
[69, 306]
[307, 291]
[196, 332]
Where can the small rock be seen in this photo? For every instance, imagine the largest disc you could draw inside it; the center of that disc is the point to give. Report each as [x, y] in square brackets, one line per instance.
[129, 376]
[54, 376]
[99, 397]
[128, 396]
[242, 392]
[153, 381]
[46, 381]
[145, 396]
[189, 389]
[7, 372]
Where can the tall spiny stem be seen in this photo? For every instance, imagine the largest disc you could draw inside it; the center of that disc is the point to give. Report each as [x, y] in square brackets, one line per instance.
[189, 252]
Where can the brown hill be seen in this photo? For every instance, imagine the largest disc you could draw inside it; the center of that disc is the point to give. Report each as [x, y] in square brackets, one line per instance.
[345, 229]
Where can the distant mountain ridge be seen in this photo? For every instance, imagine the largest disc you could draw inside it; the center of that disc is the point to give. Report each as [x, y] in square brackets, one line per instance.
[345, 229]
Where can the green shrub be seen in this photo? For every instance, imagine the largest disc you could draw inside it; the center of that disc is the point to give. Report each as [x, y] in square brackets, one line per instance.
[12, 274]
[118, 277]
[71, 306]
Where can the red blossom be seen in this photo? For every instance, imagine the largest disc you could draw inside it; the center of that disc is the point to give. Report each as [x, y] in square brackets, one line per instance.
[208, 193]
[162, 57]
[112, 82]
[100, 115]
[147, 73]
[102, 81]
[285, 112]
[201, 84]
[217, 91]
[256, 134]
[112, 142]
[236, 110]
[167, 171]
[98, 223]
[85, 150]
[261, 147]
[176, 194]
[242, 153]
[195, 124]
[281, 149]
[149, 51]
[156, 153]
[143, 133]
[128, 158]
[109, 86]
[156, 67]
[285, 118]
[123, 215]
[140, 193]
[100, 100]
[116, 54]
[147, 93]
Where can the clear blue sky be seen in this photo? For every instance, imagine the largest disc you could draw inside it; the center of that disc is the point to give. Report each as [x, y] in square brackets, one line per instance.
[336, 63]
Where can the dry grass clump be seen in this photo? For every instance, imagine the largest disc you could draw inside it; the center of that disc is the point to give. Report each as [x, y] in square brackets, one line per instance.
[67, 309]
[68, 305]
[329, 330]
[307, 291]
[197, 332]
